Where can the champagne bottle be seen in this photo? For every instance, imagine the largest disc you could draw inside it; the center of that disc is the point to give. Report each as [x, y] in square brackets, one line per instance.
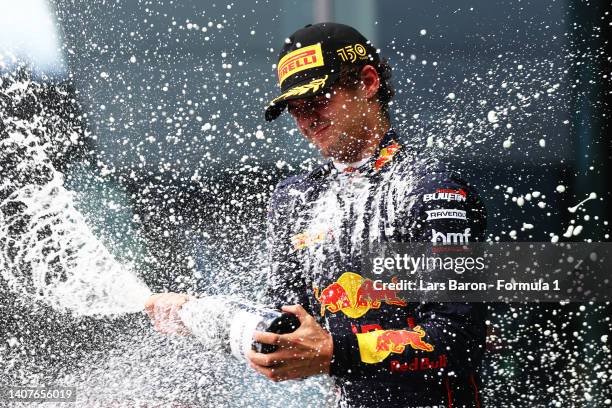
[229, 323]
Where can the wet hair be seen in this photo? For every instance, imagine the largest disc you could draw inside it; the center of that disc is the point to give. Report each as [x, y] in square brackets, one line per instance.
[350, 77]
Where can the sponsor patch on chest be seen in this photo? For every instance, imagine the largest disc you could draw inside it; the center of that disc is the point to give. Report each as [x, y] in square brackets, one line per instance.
[311, 237]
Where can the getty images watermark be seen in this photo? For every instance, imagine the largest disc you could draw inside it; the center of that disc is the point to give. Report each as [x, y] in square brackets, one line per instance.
[492, 272]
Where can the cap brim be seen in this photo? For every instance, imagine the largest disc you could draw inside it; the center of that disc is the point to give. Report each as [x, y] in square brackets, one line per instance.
[305, 89]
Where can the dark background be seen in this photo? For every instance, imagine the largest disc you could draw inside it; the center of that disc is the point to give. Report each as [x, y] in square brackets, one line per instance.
[173, 138]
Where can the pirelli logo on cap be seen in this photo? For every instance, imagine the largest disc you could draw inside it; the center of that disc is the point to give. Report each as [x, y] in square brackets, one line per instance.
[299, 60]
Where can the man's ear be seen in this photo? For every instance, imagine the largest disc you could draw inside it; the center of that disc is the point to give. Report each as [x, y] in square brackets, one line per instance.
[370, 81]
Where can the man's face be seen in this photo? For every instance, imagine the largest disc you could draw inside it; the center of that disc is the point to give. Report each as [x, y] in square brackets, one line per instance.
[333, 122]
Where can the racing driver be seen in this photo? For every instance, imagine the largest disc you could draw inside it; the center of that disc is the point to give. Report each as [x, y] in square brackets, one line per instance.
[381, 349]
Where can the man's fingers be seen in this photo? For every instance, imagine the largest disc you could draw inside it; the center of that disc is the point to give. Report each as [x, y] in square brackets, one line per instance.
[163, 308]
[266, 338]
[277, 373]
[299, 311]
[265, 371]
[284, 354]
[174, 309]
[272, 373]
[263, 360]
[278, 358]
[167, 299]
[150, 303]
[287, 341]
[161, 312]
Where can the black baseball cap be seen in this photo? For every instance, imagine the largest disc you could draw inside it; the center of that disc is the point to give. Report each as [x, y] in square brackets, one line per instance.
[310, 61]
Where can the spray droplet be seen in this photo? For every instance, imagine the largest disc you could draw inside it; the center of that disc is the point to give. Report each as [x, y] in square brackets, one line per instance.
[573, 209]
[492, 117]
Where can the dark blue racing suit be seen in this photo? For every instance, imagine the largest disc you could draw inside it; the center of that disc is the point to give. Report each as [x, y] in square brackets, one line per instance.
[391, 352]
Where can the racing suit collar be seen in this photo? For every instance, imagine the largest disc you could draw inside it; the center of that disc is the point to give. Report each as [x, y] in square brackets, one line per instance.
[390, 138]
[350, 167]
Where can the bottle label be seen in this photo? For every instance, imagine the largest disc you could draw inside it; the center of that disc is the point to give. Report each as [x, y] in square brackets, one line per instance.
[244, 323]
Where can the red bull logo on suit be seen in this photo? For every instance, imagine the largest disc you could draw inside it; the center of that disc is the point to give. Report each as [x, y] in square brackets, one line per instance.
[355, 296]
[377, 345]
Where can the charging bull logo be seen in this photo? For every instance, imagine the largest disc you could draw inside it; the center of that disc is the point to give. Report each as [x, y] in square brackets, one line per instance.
[386, 155]
[397, 340]
[333, 298]
[355, 296]
[375, 346]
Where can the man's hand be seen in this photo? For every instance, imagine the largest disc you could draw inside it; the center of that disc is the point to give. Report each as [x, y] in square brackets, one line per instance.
[305, 352]
[163, 309]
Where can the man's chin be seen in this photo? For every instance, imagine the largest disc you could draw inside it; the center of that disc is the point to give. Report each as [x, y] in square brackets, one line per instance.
[326, 155]
[334, 152]
[323, 150]
[335, 156]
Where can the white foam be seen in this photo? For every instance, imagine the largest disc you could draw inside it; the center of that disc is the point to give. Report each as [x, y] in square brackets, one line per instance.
[48, 252]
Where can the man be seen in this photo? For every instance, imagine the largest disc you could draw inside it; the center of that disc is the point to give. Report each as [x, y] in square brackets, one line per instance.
[380, 349]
